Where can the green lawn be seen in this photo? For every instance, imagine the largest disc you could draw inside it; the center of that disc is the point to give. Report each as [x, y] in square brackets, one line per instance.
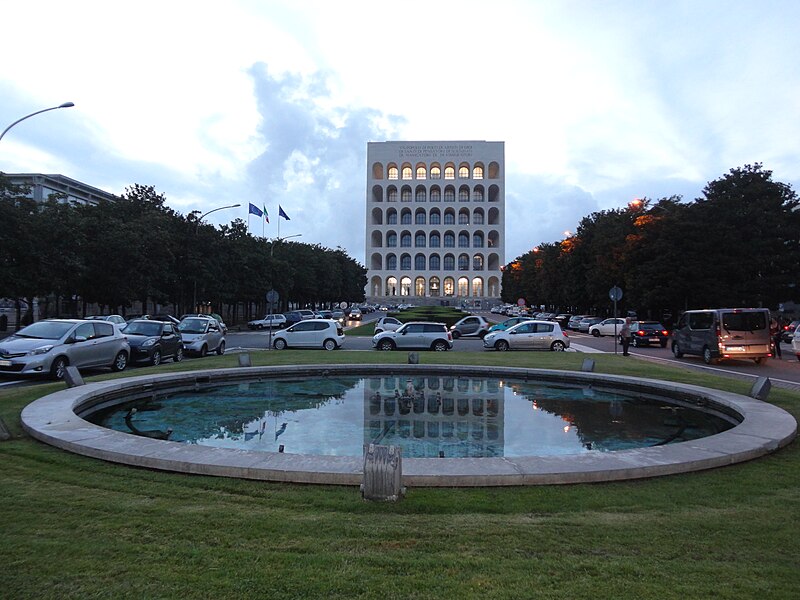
[73, 527]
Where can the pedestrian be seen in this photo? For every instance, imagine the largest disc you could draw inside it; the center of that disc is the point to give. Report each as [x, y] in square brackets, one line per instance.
[625, 335]
[776, 329]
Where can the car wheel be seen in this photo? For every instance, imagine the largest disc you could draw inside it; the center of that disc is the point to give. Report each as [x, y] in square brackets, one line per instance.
[59, 367]
[178, 355]
[439, 346]
[280, 344]
[203, 351]
[386, 345]
[221, 349]
[595, 333]
[707, 357]
[501, 345]
[676, 351]
[120, 361]
[456, 334]
[329, 345]
[155, 359]
[557, 346]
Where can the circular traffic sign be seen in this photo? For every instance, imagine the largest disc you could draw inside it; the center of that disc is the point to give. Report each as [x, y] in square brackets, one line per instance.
[521, 302]
[272, 296]
[615, 294]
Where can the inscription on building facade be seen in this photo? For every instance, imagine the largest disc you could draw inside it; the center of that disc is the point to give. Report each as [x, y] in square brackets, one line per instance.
[436, 151]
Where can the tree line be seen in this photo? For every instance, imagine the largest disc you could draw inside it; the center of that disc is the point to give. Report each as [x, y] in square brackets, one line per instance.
[138, 249]
[737, 246]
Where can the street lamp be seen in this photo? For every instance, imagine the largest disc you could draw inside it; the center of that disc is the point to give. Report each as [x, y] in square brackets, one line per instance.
[196, 229]
[280, 239]
[65, 105]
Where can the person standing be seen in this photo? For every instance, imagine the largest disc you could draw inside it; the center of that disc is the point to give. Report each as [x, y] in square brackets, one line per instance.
[776, 330]
[625, 335]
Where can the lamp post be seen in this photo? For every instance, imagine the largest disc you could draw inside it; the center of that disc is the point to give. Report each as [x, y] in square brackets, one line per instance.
[280, 239]
[196, 229]
[33, 114]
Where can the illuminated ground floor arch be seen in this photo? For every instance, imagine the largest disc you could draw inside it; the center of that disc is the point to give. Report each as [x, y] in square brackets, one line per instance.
[433, 287]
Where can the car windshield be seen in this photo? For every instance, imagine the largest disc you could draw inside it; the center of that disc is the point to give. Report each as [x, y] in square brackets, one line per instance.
[193, 326]
[45, 330]
[143, 328]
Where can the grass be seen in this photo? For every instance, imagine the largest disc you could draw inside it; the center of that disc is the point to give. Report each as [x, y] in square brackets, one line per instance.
[73, 527]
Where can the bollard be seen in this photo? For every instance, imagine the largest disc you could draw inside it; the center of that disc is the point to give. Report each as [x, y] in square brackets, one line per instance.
[383, 473]
[761, 388]
[413, 358]
[244, 360]
[588, 365]
[5, 434]
[72, 377]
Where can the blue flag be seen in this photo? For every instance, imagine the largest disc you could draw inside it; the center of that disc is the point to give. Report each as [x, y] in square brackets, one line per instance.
[282, 214]
[266, 214]
[254, 210]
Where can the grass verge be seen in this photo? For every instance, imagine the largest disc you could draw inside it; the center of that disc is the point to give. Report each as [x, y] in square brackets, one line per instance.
[73, 527]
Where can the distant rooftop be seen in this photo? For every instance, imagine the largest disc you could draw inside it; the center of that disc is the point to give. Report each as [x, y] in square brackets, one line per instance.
[69, 190]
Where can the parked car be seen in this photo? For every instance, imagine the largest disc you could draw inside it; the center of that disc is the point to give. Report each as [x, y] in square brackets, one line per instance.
[529, 335]
[387, 324]
[471, 326]
[311, 333]
[586, 322]
[607, 327]
[508, 323]
[562, 319]
[164, 317]
[202, 335]
[575, 320]
[275, 321]
[153, 341]
[338, 315]
[117, 320]
[355, 314]
[648, 333]
[723, 333]
[788, 334]
[415, 335]
[49, 347]
[796, 342]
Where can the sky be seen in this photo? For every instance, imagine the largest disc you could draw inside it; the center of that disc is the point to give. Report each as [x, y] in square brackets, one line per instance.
[599, 102]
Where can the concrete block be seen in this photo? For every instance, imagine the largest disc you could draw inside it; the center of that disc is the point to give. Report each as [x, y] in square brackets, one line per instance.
[413, 358]
[761, 388]
[383, 473]
[244, 360]
[72, 377]
[588, 365]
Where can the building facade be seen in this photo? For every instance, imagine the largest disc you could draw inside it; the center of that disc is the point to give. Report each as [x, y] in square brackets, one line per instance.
[66, 189]
[435, 222]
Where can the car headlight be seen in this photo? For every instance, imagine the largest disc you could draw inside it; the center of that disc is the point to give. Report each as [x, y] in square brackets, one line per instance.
[148, 343]
[42, 349]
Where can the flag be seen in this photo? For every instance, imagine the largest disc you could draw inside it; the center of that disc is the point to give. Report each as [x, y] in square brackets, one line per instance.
[266, 214]
[281, 213]
[254, 210]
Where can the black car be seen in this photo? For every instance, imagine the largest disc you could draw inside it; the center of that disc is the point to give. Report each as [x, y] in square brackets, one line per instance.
[153, 341]
[648, 333]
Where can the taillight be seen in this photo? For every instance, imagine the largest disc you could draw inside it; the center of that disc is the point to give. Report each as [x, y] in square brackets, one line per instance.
[665, 332]
[640, 332]
[449, 337]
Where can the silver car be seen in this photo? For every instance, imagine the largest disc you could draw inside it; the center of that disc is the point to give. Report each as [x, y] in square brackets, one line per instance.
[420, 335]
[202, 335]
[49, 347]
[529, 335]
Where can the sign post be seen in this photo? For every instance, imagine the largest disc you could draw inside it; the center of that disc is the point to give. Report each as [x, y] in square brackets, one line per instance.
[615, 294]
[272, 299]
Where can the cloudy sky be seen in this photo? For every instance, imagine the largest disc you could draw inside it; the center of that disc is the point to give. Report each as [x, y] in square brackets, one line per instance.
[272, 102]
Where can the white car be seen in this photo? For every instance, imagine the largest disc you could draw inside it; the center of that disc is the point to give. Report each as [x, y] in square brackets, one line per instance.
[607, 327]
[796, 342]
[529, 335]
[201, 335]
[312, 333]
[275, 321]
[387, 324]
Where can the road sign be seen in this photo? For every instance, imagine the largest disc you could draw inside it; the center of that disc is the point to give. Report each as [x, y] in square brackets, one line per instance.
[521, 302]
[272, 296]
[615, 294]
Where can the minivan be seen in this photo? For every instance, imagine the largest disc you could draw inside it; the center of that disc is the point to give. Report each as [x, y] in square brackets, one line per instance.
[723, 333]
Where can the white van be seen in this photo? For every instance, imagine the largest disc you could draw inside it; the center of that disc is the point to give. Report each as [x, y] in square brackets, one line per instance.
[723, 333]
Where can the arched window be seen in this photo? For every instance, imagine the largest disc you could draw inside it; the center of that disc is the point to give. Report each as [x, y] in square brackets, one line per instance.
[405, 240]
[463, 240]
[405, 262]
[421, 173]
[477, 263]
[436, 217]
[463, 172]
[463, 262]
[477, 172]
[405, 286]
[419, 286]
[463, 286]
[419, 217]
[449, 286]
[477, 216]
[420, 196]
[391, 217]
[391, 263]
[419, 240]
[449, 172]
[449, 240]
[449, 262]
[436, 172]
[477, 286]
[494, 170]
[377, 171]
[436, 195]
[377, 239]
[406, 172]
[449, 217]
[435, 262]
[393, 173]
[434, 286]
[463, 217]
[391, 240]
[419, 262]
[391, 286]
[477, 240]
[436, 241]
[405, 217]
[405, 195]
[391, 196]
[377, 193]
[477, 194]
[449, 194]
[463, 194]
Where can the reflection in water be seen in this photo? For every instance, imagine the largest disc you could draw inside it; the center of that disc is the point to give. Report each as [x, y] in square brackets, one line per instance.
[426, 416]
